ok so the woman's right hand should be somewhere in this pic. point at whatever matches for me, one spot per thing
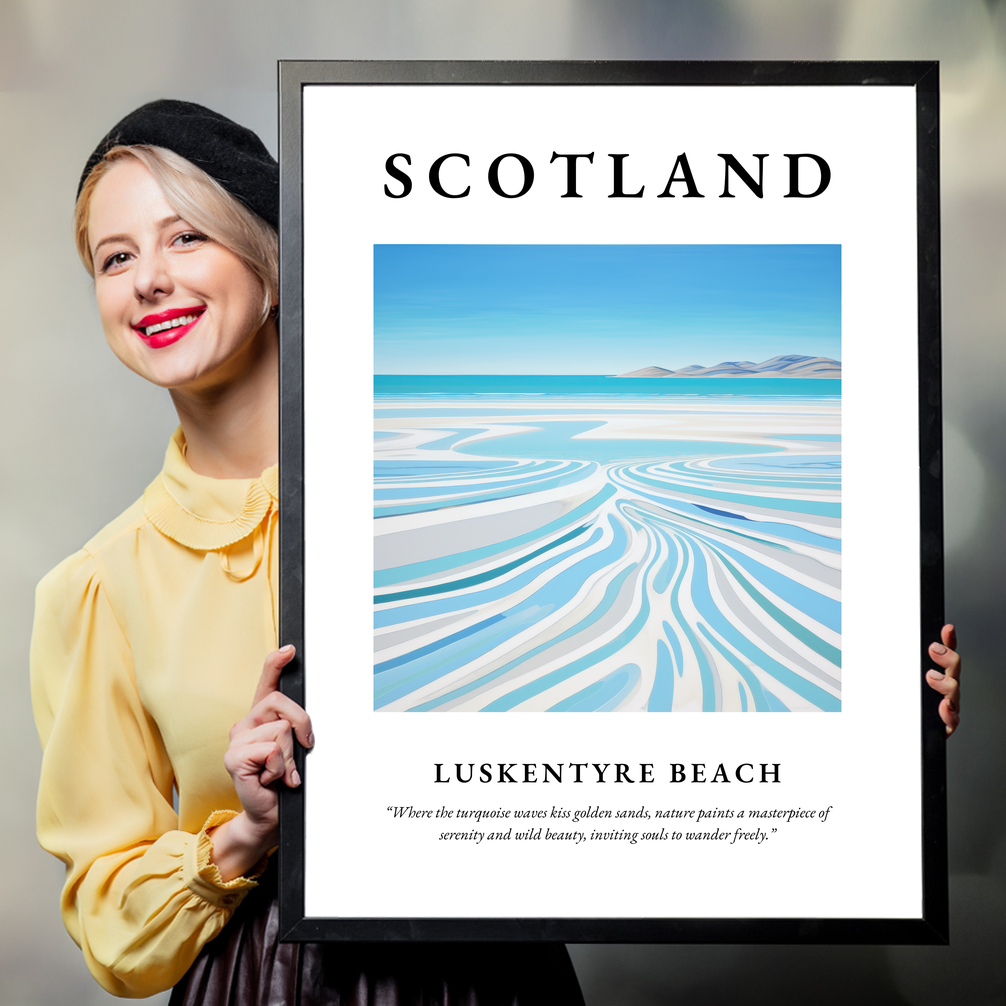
(259, 754)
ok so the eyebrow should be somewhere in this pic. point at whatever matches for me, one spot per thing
(111, 238)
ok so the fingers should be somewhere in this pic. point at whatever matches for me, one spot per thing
(947, 686)
(261, 750)
(262, 761)
(279, 764)
(265, 751)
(950, 716)
(945, 655)
(948, 660)
(271, 671)
(270, 703)
(949, 636)
(948, 709)
(947, 680)
(277, 706)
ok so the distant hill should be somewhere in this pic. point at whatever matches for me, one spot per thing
(778, 366)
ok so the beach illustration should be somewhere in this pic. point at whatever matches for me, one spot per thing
(607, 478)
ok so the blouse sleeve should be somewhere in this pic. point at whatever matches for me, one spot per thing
(141, 898)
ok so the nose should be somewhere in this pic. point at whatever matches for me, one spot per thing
(152, 277)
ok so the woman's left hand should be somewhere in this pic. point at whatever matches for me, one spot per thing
(948, 681)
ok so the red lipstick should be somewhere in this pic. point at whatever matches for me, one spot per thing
(165, 332)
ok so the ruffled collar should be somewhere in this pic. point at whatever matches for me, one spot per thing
(203, 513)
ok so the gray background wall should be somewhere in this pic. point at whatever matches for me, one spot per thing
(82, 436)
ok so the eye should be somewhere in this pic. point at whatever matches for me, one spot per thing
(115, 261)
(189, 239)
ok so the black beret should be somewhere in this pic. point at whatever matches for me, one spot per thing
(231, 154)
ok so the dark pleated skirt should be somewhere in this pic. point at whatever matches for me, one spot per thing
(246, 965)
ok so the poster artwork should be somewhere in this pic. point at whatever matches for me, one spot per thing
(595, 375)
(607, 477)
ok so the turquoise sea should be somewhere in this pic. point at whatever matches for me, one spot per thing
(587, 384)
(590, 543)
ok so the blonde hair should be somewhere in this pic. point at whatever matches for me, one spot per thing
(199, 200)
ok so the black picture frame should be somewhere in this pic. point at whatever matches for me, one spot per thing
(931, 927)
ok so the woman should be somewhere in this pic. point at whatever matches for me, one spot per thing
(149, 642)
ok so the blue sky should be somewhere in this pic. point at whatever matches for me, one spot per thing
(600, 309)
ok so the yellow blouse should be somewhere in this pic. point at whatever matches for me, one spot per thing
(147, 647)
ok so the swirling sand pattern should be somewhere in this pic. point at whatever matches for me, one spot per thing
(699, 574)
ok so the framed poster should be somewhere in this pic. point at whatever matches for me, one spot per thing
(611, 419)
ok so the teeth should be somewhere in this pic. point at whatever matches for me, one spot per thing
(174, 323)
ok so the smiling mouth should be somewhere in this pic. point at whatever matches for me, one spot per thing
(177, 321)
(167, 327)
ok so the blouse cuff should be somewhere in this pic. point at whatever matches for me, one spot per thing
(202, 876)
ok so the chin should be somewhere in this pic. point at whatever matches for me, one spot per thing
(193, 379)
(196, 365)
(174, 374)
